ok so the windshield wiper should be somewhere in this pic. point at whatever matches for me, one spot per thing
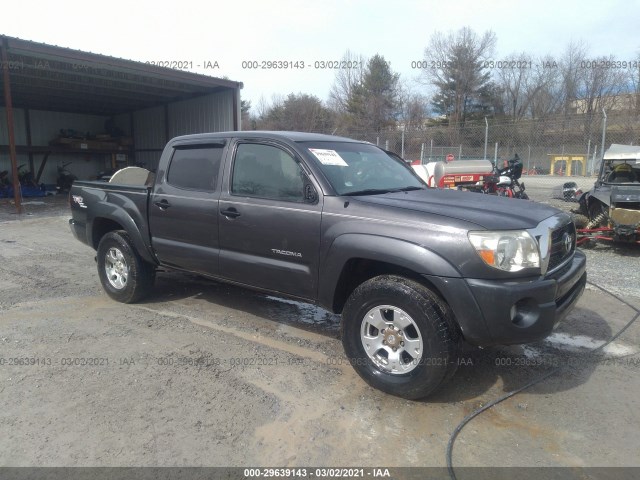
(368, 191)
(375, 191)
(406, 189)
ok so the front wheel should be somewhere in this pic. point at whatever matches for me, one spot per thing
(124, 275)
(399, 336)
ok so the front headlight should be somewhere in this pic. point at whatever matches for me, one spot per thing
(511, 251)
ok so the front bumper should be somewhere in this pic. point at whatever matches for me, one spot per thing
(491, 312)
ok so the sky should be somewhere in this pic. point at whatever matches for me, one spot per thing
(199, 34)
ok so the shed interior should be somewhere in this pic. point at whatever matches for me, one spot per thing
(94, 113)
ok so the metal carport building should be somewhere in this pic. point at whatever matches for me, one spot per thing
(47, 89)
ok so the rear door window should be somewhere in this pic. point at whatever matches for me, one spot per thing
(195, 167)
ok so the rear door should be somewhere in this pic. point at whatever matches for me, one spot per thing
(183, 209)
(270, 215)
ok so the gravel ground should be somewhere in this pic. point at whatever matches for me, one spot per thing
(207, 374)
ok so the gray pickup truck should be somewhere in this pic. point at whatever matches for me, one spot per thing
(413, 270)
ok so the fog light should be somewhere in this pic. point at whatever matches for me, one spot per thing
(524, 312)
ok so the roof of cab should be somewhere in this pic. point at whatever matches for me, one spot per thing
(279, 135)
(622, 152)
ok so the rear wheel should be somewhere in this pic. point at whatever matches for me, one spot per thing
(399, 336)
(124, 275)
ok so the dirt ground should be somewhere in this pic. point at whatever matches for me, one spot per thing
(205, 374)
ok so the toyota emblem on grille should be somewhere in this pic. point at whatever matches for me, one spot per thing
(567, 242)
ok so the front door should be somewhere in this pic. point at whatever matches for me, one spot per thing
(270, 221)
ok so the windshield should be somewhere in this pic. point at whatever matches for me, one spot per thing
(359, 168)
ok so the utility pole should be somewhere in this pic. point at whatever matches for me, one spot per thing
(486, 136)
(604, 130)
(17, 193)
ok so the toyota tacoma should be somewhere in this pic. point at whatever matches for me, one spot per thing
(414, 271)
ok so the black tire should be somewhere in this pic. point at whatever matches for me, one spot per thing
(139, 277)
(591, 243)
(429, 313)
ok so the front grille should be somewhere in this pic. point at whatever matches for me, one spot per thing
(559, 251)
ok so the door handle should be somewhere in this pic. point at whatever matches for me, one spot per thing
(162, 204)
(230, 213)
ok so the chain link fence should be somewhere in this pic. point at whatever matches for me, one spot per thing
(554, 150)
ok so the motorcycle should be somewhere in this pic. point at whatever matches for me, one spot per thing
(504, 181)
(25, 177)
(65, 178)
(28, 186)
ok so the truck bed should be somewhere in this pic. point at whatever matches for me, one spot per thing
(133, 201)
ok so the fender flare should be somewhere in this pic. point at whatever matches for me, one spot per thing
(393, 251)
(107, 211)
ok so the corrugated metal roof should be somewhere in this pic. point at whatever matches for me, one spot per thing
(48, 77)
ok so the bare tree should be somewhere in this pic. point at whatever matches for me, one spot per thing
(601, 87)
(544, 89)
(413, 107)
(590, 85)
(571, 69)
(518, 84)
(633, 80)
(346, 79)
(635, 76)
(531, 88)
(631, 112)
(262, 108)
(301, 112)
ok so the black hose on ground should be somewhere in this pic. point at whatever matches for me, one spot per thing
(553, 371)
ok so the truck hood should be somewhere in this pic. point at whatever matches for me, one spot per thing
(611, 195)
(487, 211)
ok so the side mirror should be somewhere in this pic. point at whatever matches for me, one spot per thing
(310, 193)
